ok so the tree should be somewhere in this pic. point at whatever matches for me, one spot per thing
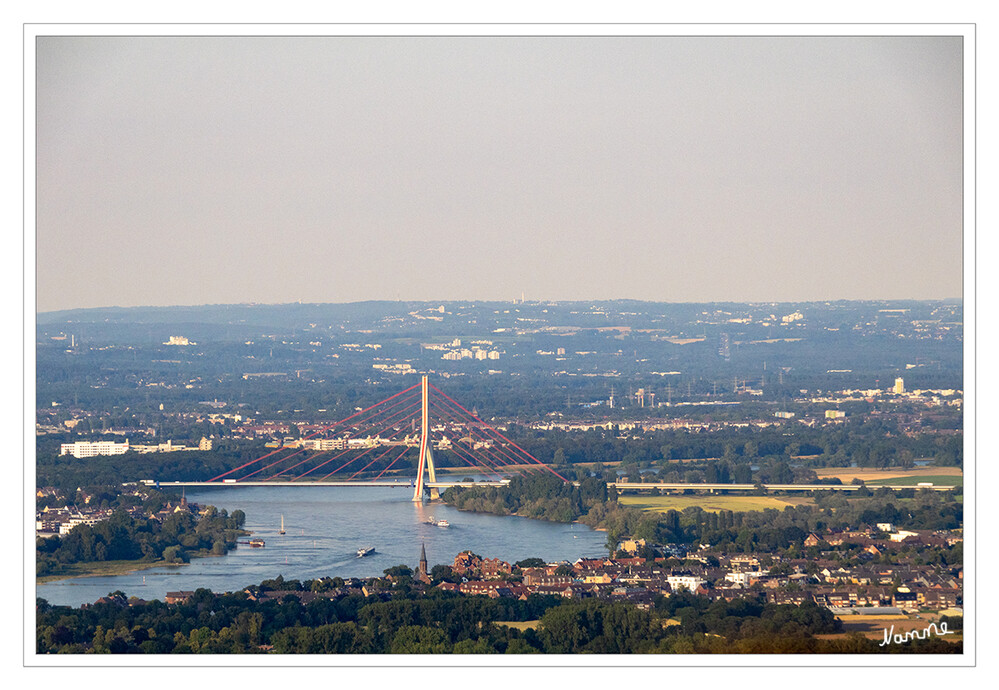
(418, 639)
(397, 571)
(530, 563)
(444, 573)
(174, 554)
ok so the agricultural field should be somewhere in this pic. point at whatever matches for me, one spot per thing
(935, 479)
(873, 627)
(710, 503)
(520, 625)
(869, 475)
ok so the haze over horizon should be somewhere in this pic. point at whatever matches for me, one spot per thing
(189, 171)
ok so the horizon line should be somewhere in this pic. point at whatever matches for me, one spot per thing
(505, 301)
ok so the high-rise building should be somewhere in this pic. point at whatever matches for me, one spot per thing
(723, 347)
(899, 386)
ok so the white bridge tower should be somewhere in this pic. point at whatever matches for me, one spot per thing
(426, 452)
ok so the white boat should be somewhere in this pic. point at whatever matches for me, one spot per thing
(443, 523)
(281, 531)
(366, 551)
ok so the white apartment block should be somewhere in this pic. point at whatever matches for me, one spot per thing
(688, 582)
(66, 527)
(745, 579)
(88, 449)
(325, 443)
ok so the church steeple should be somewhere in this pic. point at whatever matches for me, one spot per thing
(422, 573)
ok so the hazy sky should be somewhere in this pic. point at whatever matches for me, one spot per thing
(222, 170)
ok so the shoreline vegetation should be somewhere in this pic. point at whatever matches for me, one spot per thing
(112, 568)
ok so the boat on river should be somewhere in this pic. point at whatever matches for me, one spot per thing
(443, 523)
(257, 543)
(281, 531)
(365, 551)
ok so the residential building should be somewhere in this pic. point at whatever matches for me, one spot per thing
(684, 581)
(88, 449)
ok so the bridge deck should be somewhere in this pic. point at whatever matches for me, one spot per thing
(381, 485)
(679, 486)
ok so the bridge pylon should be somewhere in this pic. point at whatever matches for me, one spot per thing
(426, 452)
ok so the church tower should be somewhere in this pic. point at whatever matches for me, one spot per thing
(422, 573)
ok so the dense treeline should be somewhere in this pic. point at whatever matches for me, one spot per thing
(126, 538)
(438, 622)
(865, 442)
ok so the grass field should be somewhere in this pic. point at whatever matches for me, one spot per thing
(936, 479)
(712, 504)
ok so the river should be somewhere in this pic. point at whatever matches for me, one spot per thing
(324, 528)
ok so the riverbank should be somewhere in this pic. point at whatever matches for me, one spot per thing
(111, 568)
(100, 569)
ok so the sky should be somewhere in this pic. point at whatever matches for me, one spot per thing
(216, 170)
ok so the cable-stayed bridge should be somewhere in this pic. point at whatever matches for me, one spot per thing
(360, 449)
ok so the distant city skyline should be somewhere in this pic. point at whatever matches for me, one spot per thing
(216, 170)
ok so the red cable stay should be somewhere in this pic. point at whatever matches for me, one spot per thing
(387, 467)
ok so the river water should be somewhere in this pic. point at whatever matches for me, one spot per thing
(324, 528)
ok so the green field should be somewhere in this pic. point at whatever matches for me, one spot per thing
(709, 503)
(99, 569)
(520, 625)
(935, 479)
